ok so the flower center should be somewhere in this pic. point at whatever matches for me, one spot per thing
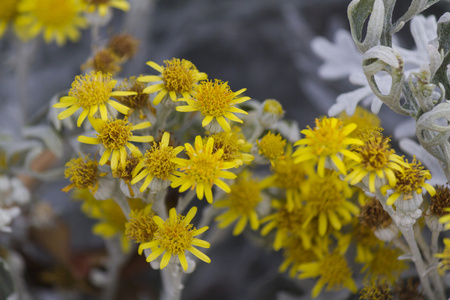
(138, 101)
(203, 167)
(83, 174)
(115, 134)
(213, 98)
(8, 10)
(179, 75)
(373, 215)
(289, 175)
(376, 150)
(327, 193)
(271, 145)
(290, 220)
(55, 12)
(412, 178)
(92, 89)
(176, 236)
(228, 142)
(141, 226)
(157, 161)
(244, 196)
(125, 171)
(335, 271)
(328, 137)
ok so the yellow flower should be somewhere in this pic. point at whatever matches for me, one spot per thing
(289, 176)
(141, 227)
(215, 100)
(83, 173)
(327, 141)
(327, 199)
(91, 93)
(241, 202)
(114, 135)
(364, 119)
(376, 160)
(8, 14)
(203, 169)
(179, 77)
(376, 290)
(233, 145)
(157, 163)
(174, 237)
(59, 20)
(333, 270)
(410, 181)
(103, 5)
(288, 223)
(385, 265)
(271, 146)
(295, 254)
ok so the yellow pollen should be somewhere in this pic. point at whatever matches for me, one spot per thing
(290, 220)
(179, 75)
(288, 174)
(228, 142)
(82, 172)
(244, 196)
(271, 145)
(327, 139)
(176, 236)
(335, 271)
(115, 134)
(157, 161)
(326, 193)
(203, 167)
(375, 153)
(55, 12)
(92, 89)
(213, 98)
(8, 9)
(125, 171)
(412, 178)
(375, 290)
(141, 226)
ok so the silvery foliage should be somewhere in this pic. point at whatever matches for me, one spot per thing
(410, 82)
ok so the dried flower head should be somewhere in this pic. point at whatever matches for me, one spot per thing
(125, 46)
(373, 215)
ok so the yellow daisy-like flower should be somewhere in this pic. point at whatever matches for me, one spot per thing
(233, 145)
(59, 20)
(364, 119)
(385, 265)
(241, 202)
(8, 14)
(83, 173)
(327, 141)
(102, 6)
(377, 160)
(203, 169)
(179, 77)
(295, 254)
(215, 100)
(289, 176)
(408, 182)
(287, 223)
(157, 163)
(327, 199)
(91, 93)
(271, 146)
(174, 237)
(114, 135)
(333, 270)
